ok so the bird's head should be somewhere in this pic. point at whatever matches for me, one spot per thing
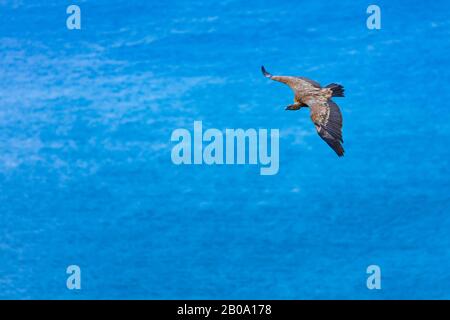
(293, 107)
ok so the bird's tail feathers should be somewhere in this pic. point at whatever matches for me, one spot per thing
(336, 89)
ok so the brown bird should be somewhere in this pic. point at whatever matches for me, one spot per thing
(324, 112)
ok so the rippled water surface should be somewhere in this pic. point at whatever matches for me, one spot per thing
(86, 176)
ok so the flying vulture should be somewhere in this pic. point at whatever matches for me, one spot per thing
(324, 112)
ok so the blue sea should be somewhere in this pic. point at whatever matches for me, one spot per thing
(86, 176)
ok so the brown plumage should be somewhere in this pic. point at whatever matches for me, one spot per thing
(324, 112)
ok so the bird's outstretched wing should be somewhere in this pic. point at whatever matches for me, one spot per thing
(328, 121)
(295, 83)
(311, 82)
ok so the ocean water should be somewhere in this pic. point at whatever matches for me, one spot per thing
(86, 176)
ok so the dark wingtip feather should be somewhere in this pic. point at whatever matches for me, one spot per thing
(334, 144)
(339, 150)
(265, 73)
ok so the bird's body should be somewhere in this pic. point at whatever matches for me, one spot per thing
(325, 114)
